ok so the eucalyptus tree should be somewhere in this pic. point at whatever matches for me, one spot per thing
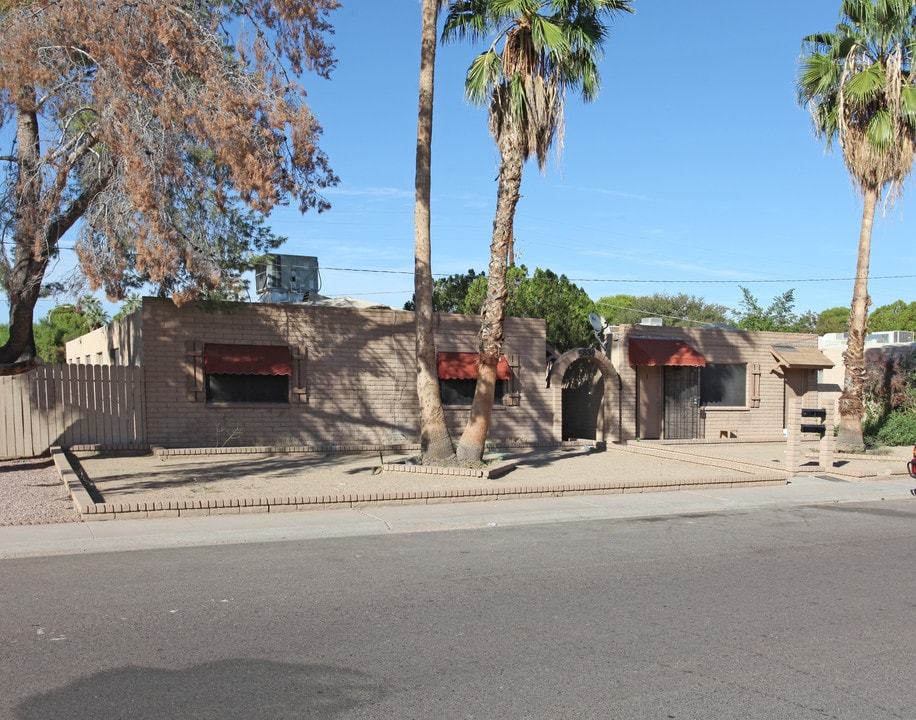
(132, 121)
(536, 51)
(858, 84)
(435, 440)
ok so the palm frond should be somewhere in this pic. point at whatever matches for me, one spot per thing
(858, 85)
(908, 104)
(482, 76)
(539, 50)
(863, 87)
(880, 130)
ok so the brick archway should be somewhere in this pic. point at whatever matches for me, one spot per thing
(597, 358)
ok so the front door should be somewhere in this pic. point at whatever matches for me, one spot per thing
(649, 419)
(682, 402)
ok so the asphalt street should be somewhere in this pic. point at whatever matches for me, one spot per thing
(793, 611)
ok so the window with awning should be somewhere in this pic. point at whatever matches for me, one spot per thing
(463, 366)
(224, 359)
(458, 372)
(655, 351)
(247, 373)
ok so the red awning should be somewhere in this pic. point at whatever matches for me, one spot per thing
(645, 351)
(222, 359)
(463, 366)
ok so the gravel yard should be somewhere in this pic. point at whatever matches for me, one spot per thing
(31, 493)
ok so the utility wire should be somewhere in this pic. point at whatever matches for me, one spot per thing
(617, 280)
(633, 281)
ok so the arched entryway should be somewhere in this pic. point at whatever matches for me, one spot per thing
(583, 381)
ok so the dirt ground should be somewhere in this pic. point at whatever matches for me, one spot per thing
(31, 492)
(150, 477)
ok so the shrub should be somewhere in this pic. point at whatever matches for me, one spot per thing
(896, 428)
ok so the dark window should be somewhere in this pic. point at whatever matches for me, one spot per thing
(248, 388)
(723, 385)
(461, 392)
(247, 373)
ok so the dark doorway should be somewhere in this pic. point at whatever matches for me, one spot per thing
(682, 402)
(583, 400)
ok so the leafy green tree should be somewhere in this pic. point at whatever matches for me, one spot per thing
(563, 305)
(619, 309)
(832, 320)
(150, 128)
(62, 323)
(450, 293)
(779, 316)
(858, 85)
(536, 50)
(896, 316)
(679, 310)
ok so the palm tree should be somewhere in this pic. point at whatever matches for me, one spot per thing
(858, 85)
(539, 50)
(435, 441)
(92, 311)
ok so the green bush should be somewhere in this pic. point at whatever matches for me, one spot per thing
(896, 428)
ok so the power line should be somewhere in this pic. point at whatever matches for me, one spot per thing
(635, 281)
(617, 280)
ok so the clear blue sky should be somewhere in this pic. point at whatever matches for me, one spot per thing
(694, 171)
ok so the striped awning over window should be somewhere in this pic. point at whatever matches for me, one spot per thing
(223, 359)
(463, 366)
(651, 351)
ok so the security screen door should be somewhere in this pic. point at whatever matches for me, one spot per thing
(682, 402)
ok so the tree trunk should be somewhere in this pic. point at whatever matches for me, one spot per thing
(852, 409)
(31, 254)
(471, 445)
(41, 221)
(435, 441)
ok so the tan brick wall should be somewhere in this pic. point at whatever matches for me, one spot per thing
(360, 375)
(763, 420)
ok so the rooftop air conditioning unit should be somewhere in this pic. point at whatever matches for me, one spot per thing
(286, 278)
(655, 321)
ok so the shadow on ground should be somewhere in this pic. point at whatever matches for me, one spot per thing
(226, 689)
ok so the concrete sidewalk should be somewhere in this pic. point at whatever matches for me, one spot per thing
(138, 534)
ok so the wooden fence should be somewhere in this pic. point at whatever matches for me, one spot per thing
(72, 405)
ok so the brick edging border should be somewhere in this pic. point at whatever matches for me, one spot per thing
(90, 510)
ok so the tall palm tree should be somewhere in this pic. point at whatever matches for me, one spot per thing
(435, 441)
(858, 83)
(539, 49)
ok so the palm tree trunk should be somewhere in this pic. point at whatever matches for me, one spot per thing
(435, 441)
(471, 445)
(852, 409)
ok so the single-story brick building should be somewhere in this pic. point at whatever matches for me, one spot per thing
(307, 374)
(677, 383)
(304, 374)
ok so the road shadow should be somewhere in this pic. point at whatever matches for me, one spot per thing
(226, 689)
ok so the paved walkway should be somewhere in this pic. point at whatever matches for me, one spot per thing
(709, 478)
